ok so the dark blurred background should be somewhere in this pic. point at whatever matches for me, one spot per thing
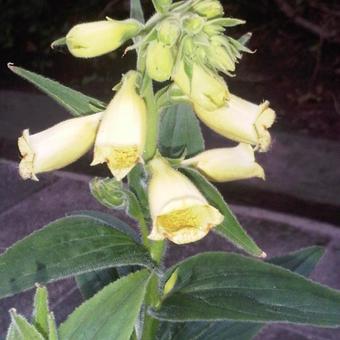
(297, 64)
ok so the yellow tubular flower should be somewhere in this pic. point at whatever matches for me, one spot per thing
(227, 164)
(58, 146)
(241, 121)
(205, 89)
(179, 211)
(94, 39)
(159, 61)
(121, 135)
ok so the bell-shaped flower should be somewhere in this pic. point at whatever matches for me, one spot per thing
(94, 39)
(58, 146)
(241, 121)
(179, 211)
(121, 135)
(204, 88)
(159, 61)
(227, 164)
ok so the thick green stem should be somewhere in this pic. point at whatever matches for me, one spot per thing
(152, 299)
(156, 248)
(152, 123)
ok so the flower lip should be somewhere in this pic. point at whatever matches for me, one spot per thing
(241, 121)
(179, 211)
(26, 168)
(58, 146)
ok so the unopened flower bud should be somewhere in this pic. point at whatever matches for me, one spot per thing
(58, 146)
(220, 59)
(209, 9)
(205, 88)
(121, 135)
(179, 211)
(193, 24)
(227, 164)
(159, 61)
(241, 121)
(169, 31)
(162, 6)
(97, 38)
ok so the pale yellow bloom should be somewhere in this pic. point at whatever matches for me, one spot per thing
(100, 37)
(227, 164)
(121, 135)
(205, 89)
(179, 211)
(57, 146)
(159, 61)
(241, 121)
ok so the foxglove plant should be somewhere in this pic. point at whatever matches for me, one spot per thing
(160, 175)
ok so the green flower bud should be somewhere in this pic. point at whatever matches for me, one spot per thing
(220, 59)
(169, 31)
(93, 39)
(209, 9)
(193, 24)
(159, 61)
(213, 29)
(162, 6)
(204, 88)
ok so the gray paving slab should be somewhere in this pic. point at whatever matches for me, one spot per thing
(22, 110)
(13, 190)
(302, 177)
(274, 332)
(298, 165)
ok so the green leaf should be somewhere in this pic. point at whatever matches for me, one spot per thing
(12, 333)
(110, 220)
(52, 328)
(40, 310)
(180, 131)
(116, 308)
(136, 11)
(162, 6)
(302, 262)
(25, 330)
(91, 283)
(208, 330)
(230, 228)
(73, 101)
(137, 184)
(225, 286)
(67, 247)
(227, 22)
